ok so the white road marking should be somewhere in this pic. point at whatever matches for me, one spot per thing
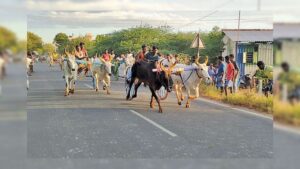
(238, 109)
(154, 124)
(213, 102)
(253, 113)
(89, 86)
(287, 128)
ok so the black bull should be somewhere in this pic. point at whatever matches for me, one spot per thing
(142, 72)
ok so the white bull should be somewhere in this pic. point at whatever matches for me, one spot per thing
(102, 71)
(190, 78)
(70, 73)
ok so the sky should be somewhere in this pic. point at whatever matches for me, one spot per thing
(49, 17)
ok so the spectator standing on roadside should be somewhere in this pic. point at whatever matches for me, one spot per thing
(230, 71)
(236, 73)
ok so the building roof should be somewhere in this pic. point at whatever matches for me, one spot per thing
(250, 35)
(286, 31)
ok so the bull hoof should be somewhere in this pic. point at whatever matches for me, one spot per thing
(160, 111)
(97, 90)
(108, 92)
(179, 103)
(151, 106)
(187, 106)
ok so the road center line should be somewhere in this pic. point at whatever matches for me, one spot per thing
(89, 86)
(154, 124)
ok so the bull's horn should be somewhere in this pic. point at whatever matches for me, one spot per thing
(197, 60)
(67, 53)
(206, 60)
(162, 66)
(172, 66)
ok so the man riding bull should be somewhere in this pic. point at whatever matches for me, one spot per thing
(141, 55)
(82, 58)
(152, 56)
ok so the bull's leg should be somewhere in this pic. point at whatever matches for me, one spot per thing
(72, 86)
(188, 99)
(136, 89)
(130, 85)
(67, 87)
(97, 82)
(106, 81)
(157, 100)
(151, 102)
(181, 94)
(177, 94)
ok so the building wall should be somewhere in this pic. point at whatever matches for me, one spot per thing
(265, 53)
(291, 53)
(261, 51)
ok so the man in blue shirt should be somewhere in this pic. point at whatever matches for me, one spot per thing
(221, 73)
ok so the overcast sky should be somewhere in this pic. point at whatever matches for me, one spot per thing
(48, 17)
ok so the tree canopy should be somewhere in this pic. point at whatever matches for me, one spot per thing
(34, 43)
(61, 40)
(7, 39)
(132, 39)
(168, 42)
(48, 48)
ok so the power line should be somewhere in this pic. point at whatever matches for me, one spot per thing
(215, 11)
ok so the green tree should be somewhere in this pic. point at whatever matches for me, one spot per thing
(20, 47)
(213, 43)
(34, 42)
(61, 40)
(48, 48)
(7, 39)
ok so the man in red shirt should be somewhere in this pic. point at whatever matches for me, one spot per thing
(230, 71)
(141, 55)
(106, 56)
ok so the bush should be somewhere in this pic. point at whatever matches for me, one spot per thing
(286, 112)
(244, 98)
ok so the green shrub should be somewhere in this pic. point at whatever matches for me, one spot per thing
(244, 98)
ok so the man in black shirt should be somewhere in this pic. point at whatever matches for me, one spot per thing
(153, 55)
(236, 72)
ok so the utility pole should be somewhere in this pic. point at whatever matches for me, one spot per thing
(239, 22)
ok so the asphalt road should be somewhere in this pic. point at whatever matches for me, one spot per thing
(95, 130)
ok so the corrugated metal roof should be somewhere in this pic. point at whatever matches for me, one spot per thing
(286, 30)
(250, 35)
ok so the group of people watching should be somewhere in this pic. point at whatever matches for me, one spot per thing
(226, 74)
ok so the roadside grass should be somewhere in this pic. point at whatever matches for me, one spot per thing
(245, 98)
(286, 112)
